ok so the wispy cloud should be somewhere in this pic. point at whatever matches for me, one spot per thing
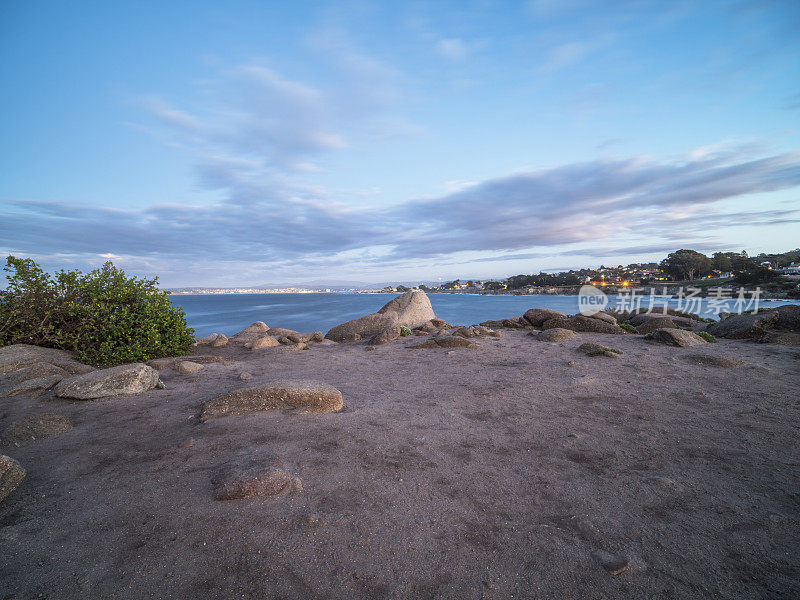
(283, 229)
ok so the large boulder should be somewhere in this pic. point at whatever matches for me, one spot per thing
(250, 333)
(11, 475)
(134, 378)
(314, 397)
(411, 309)
(782, 338)
(537, 316)
(35, 371)
(678, 337)
(35, 386)
(385, 336)
(745, 326)
(788, 317)
(650, 325)
(582, 324)
(19, 356)
(677, 320)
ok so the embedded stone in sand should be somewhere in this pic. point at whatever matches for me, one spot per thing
(314, 397)
(249, 476)
(11, 475)
(613, 563)
(187, 367)
(448, 341)
(557, 334)
(36, 427)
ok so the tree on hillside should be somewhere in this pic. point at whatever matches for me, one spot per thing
(686, 264)
(721, 261)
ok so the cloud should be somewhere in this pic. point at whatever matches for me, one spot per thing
(452, 48)
(286, 229)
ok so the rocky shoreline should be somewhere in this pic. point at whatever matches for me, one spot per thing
(401, 456)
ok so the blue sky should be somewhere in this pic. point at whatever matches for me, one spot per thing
(242, 143)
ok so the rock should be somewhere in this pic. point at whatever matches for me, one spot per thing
(557, 334)
(205, 341)
(613, 563)
(250, 333)
(592, 349)
(650, 325)
(782, 338)
(31, 386)
(492, 323)
(581, 323)
(162, 364)
(220, 340)
(537, 316)
(439, 323)
(265, 342)
(678, 337)
(11, 475)
(447, 341)
(327, 342)
(348, 337)
(370, 349)
(518, 323)
(126, 379)
(281, 332)
(245, 376)
(187, 367)
(679, 321)
(465, 332)
(385, 336)
(745, 326)
(204, 360)
(428, 327)
(715, 361)
(36, 371)
(303, 338)
(36, 427)
(19, 356)
(249, 476)
(788, 317)
(411, 309)
(314, 397)
(296, 347)
(605, 317)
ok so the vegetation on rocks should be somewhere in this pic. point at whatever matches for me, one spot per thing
(628, 327)
(706, 336)
(105, 317)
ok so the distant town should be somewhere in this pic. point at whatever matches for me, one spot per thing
(779, 272)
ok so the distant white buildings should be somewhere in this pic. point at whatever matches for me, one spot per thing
(792, 269)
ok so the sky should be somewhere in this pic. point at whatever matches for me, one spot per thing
(245, 143)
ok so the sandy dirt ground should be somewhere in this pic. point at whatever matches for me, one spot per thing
(468, 474)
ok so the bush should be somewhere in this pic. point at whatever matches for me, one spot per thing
(707, 336)
(103, 316)
(405, 331)
(628, 327)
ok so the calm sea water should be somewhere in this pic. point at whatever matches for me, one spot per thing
(230, 313)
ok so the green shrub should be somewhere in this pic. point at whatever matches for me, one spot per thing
(103, 316)
(648, 336)
(707, 336)
(405, 331)
(628, 327)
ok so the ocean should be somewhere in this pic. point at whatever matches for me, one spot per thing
(229, 313)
